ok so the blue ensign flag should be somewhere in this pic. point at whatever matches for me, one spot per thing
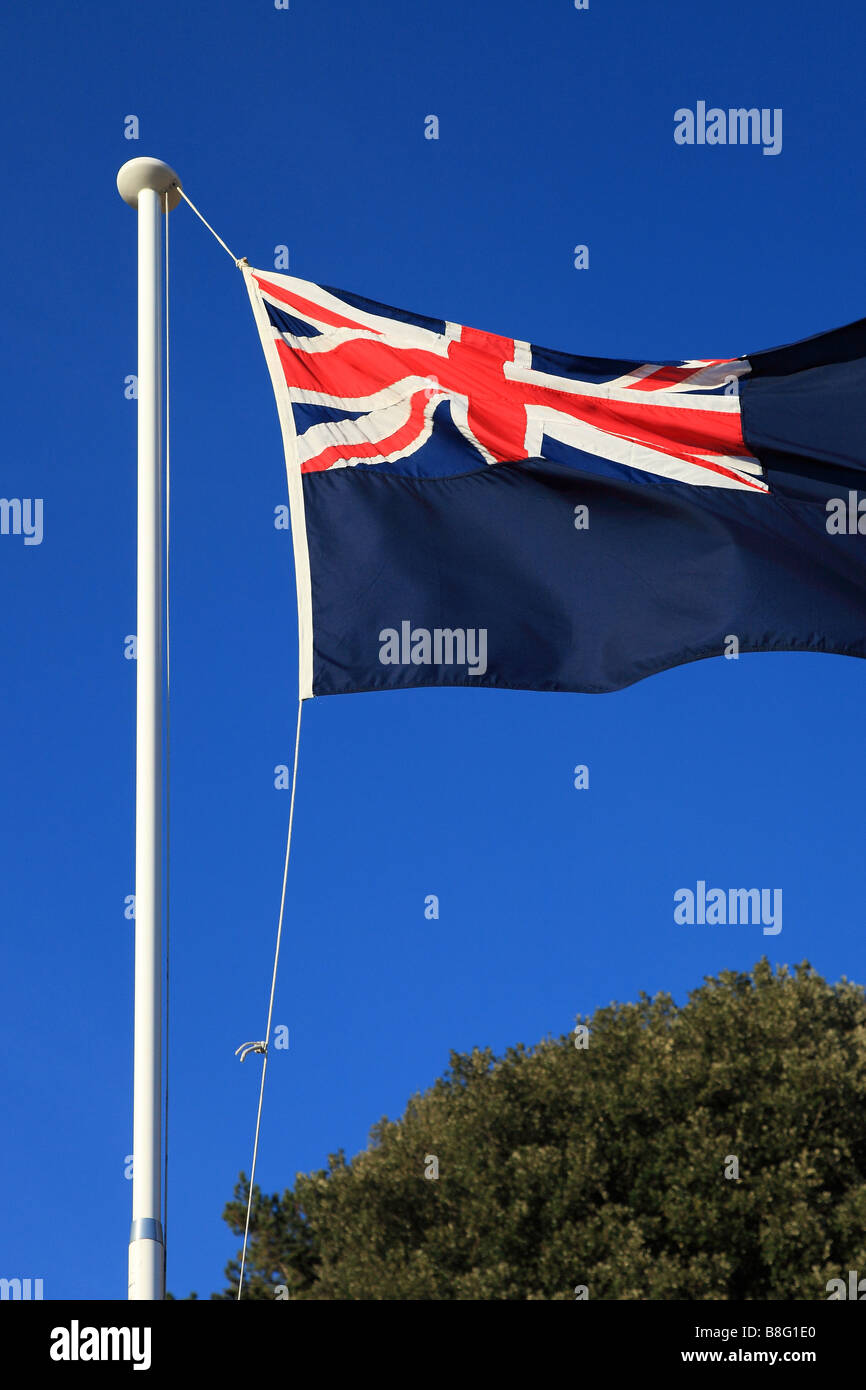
(469, 509)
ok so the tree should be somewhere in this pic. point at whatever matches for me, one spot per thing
(711, 1151)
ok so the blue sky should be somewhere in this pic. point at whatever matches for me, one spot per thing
(306, 128)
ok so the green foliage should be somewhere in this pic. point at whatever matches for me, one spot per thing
(604, 1166)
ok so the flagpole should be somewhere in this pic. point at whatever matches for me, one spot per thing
(143, 183)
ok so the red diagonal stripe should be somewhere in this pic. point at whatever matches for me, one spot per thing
(307, 308)
(673, 375)
(379, 448)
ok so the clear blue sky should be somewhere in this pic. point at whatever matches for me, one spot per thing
(306, 128)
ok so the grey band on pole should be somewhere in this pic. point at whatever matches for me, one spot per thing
(146, 1228)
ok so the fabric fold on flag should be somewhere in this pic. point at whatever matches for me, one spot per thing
(470, 509)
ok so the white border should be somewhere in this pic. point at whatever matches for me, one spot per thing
(296, 491)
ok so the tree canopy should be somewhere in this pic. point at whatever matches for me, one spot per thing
(714, 1150)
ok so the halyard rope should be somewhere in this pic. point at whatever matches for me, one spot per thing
(262, 1047)
(271, 1001)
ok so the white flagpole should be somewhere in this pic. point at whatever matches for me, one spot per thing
(143, 183)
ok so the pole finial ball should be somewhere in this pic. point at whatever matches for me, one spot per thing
(146, 172)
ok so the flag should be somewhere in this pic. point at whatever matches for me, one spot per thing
(471, 509)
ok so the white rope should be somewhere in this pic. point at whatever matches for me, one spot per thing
(271, 1001)
(239, 261)
(242, 261)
